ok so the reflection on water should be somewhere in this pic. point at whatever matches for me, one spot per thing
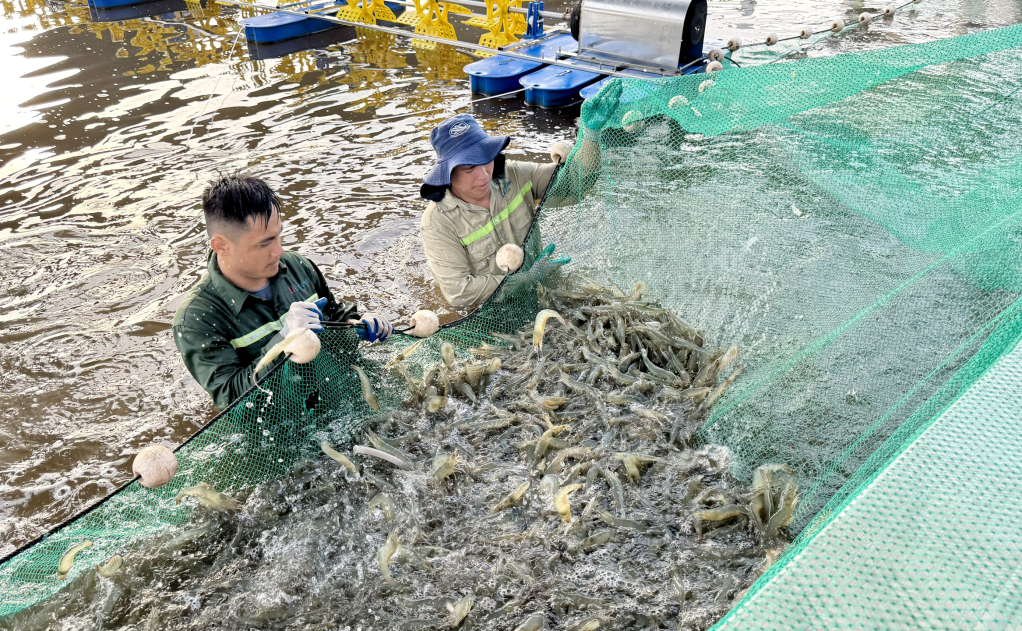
(40, 15)
(109, 127)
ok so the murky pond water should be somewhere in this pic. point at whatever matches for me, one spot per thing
(108, 133)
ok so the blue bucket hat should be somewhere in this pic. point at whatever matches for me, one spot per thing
(460, 140)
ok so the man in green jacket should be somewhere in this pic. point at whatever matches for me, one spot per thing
(253, 292)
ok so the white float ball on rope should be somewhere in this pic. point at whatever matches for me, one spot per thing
(805, 33)
(714, 66)
(888, 11)
(678, 102)
(717, 54)
(771, 39)
(632, 121)
(156, 465)
(864, 17)
(734, 44)
(424, 323)
(510, 257)
(837, 25)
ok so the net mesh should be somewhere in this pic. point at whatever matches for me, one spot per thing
(852, 223)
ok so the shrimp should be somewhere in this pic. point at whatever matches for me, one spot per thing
(493, 366)
(720, 514)
(209, 497)
(383, 445)
(639, 291)
(513, 498)
(615, 486)
(447, 353)
(657, 371)
(367, 388)
(405, 354)
(631, 464)
(384, 554)
(597, 539)
(443, 465)
(561, 501)
(535, 622)
(435, 403)
(382, 455)
(385, 503)
(474, 373)
(571, 452)
(112, 566)
(540, 326)
(339, 457)
(68, 558)
(729, 356)
(551, 402)
(459, 610)
(719, 390)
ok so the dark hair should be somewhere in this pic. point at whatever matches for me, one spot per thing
(437, 193)
(230, 200)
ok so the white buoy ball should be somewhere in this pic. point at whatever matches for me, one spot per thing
(678, 102)
(304, 348)
(734, 44)
(510, 257)
(632, 122)
(805, 33)
(424, 323)
(888, 11)
(772, 39)
(717, 54)
(156, 465)
(714, 66)
(864, 17)
(837, 25)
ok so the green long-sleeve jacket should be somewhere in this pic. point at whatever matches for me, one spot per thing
(222, 331)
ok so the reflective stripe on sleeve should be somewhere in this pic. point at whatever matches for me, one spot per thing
(488, 228)
(267, 329)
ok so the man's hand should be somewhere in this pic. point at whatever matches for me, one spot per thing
(377, 328)
(304, 315)
(559, 152)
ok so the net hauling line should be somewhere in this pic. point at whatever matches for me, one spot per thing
(837, 25)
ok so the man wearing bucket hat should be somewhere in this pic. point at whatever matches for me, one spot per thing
(480, 202)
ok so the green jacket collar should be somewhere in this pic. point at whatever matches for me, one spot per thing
(232, 295)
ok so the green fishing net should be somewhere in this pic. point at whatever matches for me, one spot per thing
(853, 224)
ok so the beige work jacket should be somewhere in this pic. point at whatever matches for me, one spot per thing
(461, 239)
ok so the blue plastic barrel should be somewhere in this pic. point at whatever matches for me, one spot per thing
(500, 74)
